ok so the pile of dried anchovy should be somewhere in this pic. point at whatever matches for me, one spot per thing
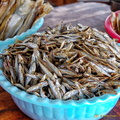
(65, 62)
(115, 22)
(17, 16)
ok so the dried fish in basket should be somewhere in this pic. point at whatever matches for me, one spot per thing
(17, 16)
(115, 22)
(65, 62)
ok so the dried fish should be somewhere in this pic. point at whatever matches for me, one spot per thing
(21, 74)
(46, 71)
(37, 86)
(54, 89)
(35, 75)
(65, 62)
(115, 22)
(70, 94)
(17, 16)
(31, 70)
(53, 67)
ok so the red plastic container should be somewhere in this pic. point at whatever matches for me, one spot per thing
(109, 28)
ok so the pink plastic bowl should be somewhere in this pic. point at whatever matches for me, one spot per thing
(109, 28)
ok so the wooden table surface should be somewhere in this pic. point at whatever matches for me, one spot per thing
(91, 14)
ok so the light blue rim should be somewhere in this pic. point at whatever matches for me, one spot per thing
(23, 35)
(14, 91)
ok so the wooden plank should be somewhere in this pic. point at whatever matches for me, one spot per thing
(56, 2)
(70, 1)
(8, 109)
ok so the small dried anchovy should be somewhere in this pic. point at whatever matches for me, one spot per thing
(115, 22)
(66, 62)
